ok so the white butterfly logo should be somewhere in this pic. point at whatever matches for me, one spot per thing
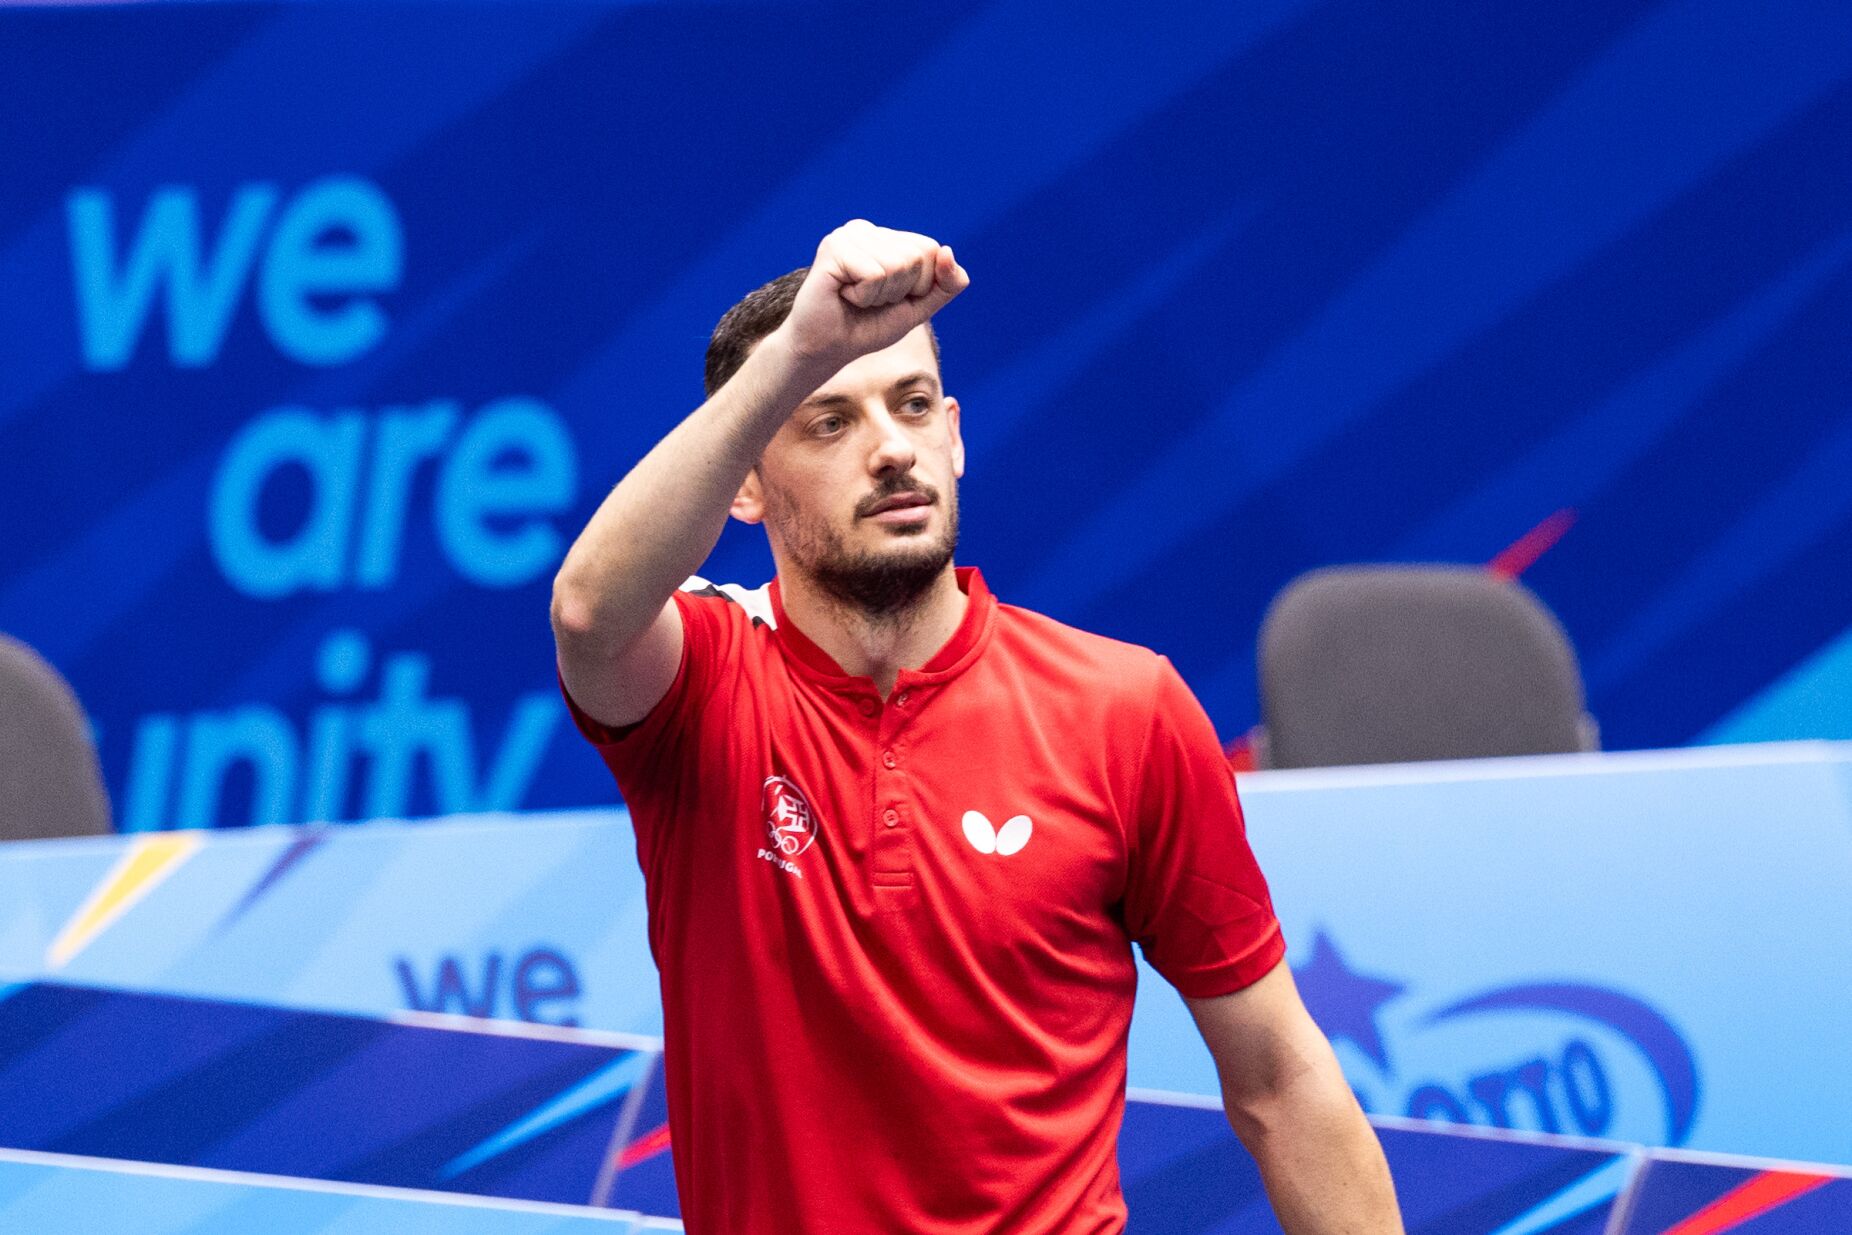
(1008, 839)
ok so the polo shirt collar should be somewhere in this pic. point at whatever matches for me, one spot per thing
(957, 653)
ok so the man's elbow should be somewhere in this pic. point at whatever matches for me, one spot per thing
(1259, 1112)
(575, 617)
(1284, 1097)
(587, 618)
(594, 630)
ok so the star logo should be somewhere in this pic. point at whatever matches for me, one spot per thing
(1345, 1003)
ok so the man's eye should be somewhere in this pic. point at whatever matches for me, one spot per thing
(823, 426)
(919, 405)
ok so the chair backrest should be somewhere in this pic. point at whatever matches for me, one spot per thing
(49, 781)
(1393, 664)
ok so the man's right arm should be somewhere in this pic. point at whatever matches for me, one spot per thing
(618, 634)
(617, 631)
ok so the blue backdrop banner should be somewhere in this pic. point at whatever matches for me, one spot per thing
(323, 327)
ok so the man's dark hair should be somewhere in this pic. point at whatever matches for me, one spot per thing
(761, 312)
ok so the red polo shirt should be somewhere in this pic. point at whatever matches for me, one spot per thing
(895, 935)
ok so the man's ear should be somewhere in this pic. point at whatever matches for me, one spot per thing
(749, 503)
(958, 438)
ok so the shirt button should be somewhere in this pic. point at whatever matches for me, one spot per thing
(902, 697)
(889, 759)
(891, 817)
(870, 707)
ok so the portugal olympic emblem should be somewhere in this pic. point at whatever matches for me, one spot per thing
(789, 820)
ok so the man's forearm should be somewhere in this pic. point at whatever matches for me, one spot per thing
(1320, 1159)
(662, 520)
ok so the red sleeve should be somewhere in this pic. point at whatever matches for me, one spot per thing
(652, 742)
(1196, 901)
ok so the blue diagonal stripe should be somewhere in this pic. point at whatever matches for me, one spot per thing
(606, 1085)
(1595, 1188)
(1506, 231)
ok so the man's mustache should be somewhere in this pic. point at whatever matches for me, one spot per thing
(902, 485)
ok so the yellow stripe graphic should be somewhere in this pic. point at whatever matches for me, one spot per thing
(141, 869)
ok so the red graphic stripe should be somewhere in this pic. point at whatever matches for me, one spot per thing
(1769, 1190)
(1525, 551)
(645, 1147)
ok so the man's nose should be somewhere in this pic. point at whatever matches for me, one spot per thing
(893, 449)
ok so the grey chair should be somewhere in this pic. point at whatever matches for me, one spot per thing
(1394, 664)
(49, 781)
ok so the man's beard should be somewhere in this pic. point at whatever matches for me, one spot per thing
(878, 586)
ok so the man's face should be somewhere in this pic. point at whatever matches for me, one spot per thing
(859, 490)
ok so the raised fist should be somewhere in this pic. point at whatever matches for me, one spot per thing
(867, 288)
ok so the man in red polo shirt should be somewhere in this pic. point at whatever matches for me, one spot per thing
(898, 838)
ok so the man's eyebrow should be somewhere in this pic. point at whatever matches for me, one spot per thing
(922, 378)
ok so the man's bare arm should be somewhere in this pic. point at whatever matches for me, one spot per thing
(1290, 1105)
(618, 636)
(619, 639)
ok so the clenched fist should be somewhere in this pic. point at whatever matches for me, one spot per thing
(867, 288)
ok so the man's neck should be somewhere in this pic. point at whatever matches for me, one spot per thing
(877, 647)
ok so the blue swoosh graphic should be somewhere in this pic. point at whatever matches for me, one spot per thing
(1645, 1026)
